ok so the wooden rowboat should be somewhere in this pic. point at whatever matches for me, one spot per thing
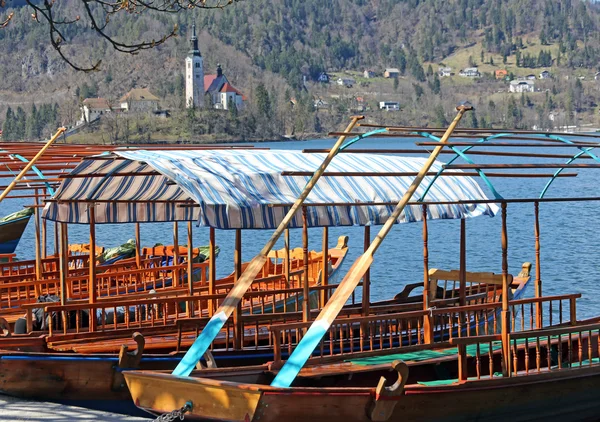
(12, 228)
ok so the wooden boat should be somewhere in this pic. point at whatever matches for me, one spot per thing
(11, 229)
(516, 368)
(540, 388)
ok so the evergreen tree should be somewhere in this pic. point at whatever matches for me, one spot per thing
(440, 117)
(429, 71)
(31, 124)
(19, 130)
(263, 103)
(8, 127)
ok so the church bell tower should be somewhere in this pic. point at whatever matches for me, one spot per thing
(194, 74)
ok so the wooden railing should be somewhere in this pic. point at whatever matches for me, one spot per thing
(358, 335)
(136, 312)
(117, 281)
(530, 352)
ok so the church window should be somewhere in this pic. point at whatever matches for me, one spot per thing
(197, 65)
(189, 65)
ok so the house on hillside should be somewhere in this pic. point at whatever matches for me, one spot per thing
(93, 108)
(323, 78)
(531, 77)
(221, 92)
(139, 100)
(470, 72)
(501, 73)
(391, 72)
(389, 105)
(520, 85)
(368, 74)
(545, 75)
(445, 71)
(347, 82)
(597, 76)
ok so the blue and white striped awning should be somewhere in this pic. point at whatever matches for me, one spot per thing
(237, 188)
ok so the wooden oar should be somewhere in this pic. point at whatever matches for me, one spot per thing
(235, 295)
(31, 163)
(317, 330)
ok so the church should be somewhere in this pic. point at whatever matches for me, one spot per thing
(201, 88)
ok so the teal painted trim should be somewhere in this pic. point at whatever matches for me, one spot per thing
(200, 346)
(359, 137)
(466, 158)
(35, 169)
(301, 354)
(583, 151)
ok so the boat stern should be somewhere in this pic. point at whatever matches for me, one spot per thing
(213, 400)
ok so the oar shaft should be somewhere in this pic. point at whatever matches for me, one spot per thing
(235, 295)
(31, 163)
(414, 185)
(319, 328)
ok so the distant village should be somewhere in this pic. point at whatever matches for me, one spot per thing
(201, 91)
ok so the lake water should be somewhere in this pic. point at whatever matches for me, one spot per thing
(569, 235)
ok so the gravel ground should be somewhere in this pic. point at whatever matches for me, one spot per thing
(12, 409)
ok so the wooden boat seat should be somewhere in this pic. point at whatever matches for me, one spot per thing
(84, 249)
(168, 250)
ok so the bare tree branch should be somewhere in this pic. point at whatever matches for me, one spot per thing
(97, 16)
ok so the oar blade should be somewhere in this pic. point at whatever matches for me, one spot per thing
(210, 332)
(318, 329)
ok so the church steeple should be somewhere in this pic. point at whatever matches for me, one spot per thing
(195, 51)
(194, 74)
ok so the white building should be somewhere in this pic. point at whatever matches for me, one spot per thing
(194, 74)
(221, 92)
(470, 72)
(93, 108)
(139, 100)
(520, 85)
(445, 71)
(389, 105)
(347, 82)
(545, 75)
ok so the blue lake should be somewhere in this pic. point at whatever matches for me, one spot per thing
(570, 243)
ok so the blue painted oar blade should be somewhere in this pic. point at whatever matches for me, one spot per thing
(201, 345)
(301, 354)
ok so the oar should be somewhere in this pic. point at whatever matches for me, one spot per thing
(317, 330)
(31, 163)
(202, 343)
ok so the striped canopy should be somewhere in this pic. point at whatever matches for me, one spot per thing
(232, 189)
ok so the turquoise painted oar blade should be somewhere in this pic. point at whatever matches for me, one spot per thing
(201, 345)
(301, 354)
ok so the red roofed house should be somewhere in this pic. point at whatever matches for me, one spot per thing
(93, 108)
(221, 92)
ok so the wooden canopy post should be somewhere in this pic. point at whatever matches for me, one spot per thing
(56, 238)
(63, 262)
(38, 242)
(305, 281)
(138, 260)
(462, 292)
(427, 295)
(44, 233)
(506, 361)
(366, 288)
(286, 264)
(38, 251)
(176, 272)
(212, 269)
(538, 271)
(190, 268)
(237, 272)
(325, 270)
(92, 280)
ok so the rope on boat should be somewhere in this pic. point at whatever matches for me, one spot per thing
(175, 414)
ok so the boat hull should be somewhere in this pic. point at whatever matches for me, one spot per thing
(570, 395)
(10, 234)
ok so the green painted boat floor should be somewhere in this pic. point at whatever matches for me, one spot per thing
(452, 381)
(422, 355)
